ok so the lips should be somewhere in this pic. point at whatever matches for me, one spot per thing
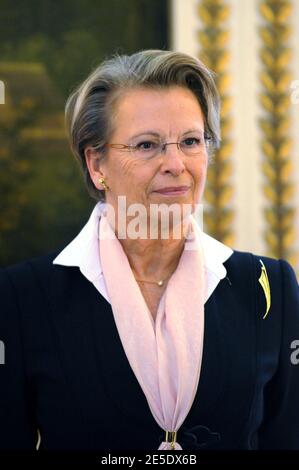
(173, 190)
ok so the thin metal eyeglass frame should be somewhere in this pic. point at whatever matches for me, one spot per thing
(161, 148)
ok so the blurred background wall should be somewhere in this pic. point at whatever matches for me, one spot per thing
(47, 48)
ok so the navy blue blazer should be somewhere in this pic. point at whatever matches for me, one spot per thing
(66, 373)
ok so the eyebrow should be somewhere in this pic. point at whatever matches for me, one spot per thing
(156, 134)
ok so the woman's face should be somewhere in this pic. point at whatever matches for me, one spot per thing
(144, 116)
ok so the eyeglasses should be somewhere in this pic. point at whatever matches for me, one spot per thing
(147, 149)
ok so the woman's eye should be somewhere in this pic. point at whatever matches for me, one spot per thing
(191, 142)
(146, 145)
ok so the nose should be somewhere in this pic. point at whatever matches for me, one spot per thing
(172, 159)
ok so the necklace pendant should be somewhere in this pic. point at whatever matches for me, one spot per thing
(160, 283)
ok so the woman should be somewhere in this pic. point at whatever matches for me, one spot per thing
(125, 340)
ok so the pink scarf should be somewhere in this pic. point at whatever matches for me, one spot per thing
(164, 355)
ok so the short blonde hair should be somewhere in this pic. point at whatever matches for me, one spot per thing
(90, 108)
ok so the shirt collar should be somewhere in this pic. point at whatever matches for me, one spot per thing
(81, 251)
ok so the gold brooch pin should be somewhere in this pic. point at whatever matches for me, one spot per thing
(264, 282)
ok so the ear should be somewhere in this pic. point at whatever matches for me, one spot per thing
(94, 164)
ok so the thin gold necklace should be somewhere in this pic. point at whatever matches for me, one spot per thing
(158, 283)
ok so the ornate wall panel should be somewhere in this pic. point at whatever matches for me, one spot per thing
(213, 37)
(276, 144)
(252, 195)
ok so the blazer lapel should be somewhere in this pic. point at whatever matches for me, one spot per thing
(113, 366)
(92, 353)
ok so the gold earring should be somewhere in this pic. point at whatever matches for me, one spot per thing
(103, 182)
